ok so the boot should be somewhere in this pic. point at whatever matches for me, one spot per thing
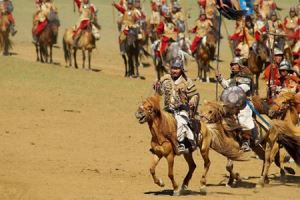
(178, 148)
(246, 146)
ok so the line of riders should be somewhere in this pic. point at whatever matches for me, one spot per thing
(179, 91)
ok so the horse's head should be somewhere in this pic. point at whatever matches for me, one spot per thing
(149, 109)
(281, 104)
(95, 32)
(211, 112)
(263, 52)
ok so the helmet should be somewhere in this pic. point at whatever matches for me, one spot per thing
(177, 62)
(235, 60)
(129, 1)
(284, 65)
(202, 12)
(278, 51)
(234, 97)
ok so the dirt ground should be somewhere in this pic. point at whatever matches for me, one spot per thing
(69, 134)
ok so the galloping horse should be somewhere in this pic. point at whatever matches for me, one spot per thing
(161, 124)
(212, 115)
(206, 53)
(5, 42)
(47, 39)
(257, 61)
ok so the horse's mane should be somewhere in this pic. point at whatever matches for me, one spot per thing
(217, 111)
(260, 105)
(284, 97)
(166, 119)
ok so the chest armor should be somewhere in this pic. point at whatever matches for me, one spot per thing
(202, 28)
(169, 31)
(86, 12)
(128, 18)
(291, 22)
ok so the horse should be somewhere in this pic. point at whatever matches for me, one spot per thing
(161, 124)
(258, 58)
(132, 49)
(204, 54)
(47, 39)
(5, 43)
(212, 117)
(86, 42)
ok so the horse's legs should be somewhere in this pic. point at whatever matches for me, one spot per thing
(199, 70)
(192, 166)
(37, 53)
(206, 72)
(41, 53)
(232, 175)
(46, 54)
(257, 83)
(270, 152)
(137, 64)
(130, 64)
(6, 45)
(70, 55)
(170, 159)
(51, 60)
(155, 162)
(83, 58)
(205, 155)
(89, 58)
(75, 59)
(126, 65)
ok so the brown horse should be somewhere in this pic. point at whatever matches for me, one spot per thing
(257, 61)
(161, 124)
(5, 43)
(47, 39)
(204, 55)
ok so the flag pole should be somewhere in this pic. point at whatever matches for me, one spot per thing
(218, 55)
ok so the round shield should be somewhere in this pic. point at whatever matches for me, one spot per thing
(234, 97)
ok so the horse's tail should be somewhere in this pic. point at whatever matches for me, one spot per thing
(66, 51)
(289, 137)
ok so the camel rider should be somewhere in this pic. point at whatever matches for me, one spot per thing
(41, 18)
(271, 73)
(201, 28)
(6, 8)
(88, 17)
(129, 20)
(180, 96)
(179, 19)
(275, 27)
(168, 31)
(288, 81)
(292, 21)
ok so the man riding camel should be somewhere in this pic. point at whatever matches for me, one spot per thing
(130, 17)
(45, 7)
(180, 97)
(6, 8)
(168, 32)
(241, 77)
(201, 28)
(87, 18)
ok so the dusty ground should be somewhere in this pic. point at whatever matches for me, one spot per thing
(71, 134)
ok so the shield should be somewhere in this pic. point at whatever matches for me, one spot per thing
(234, 97)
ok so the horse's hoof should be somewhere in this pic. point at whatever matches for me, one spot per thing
(203, 190)
(176, 192)
(161, 183)
(207, 80)
(260, 184)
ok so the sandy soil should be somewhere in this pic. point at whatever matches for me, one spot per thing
(71, 134)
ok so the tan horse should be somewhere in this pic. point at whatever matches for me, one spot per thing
(161, 124)
(5, 43)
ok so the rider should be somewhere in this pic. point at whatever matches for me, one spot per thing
(288, 81)
(41, 18)
(292, 21)
(180, 97)
(266, 7)
(275, 27)
(129, 20)
(6, 8)
(88, 15)
(179, 19)
(242, 78)
(202, 27)
(272, 74)
(168, 31)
